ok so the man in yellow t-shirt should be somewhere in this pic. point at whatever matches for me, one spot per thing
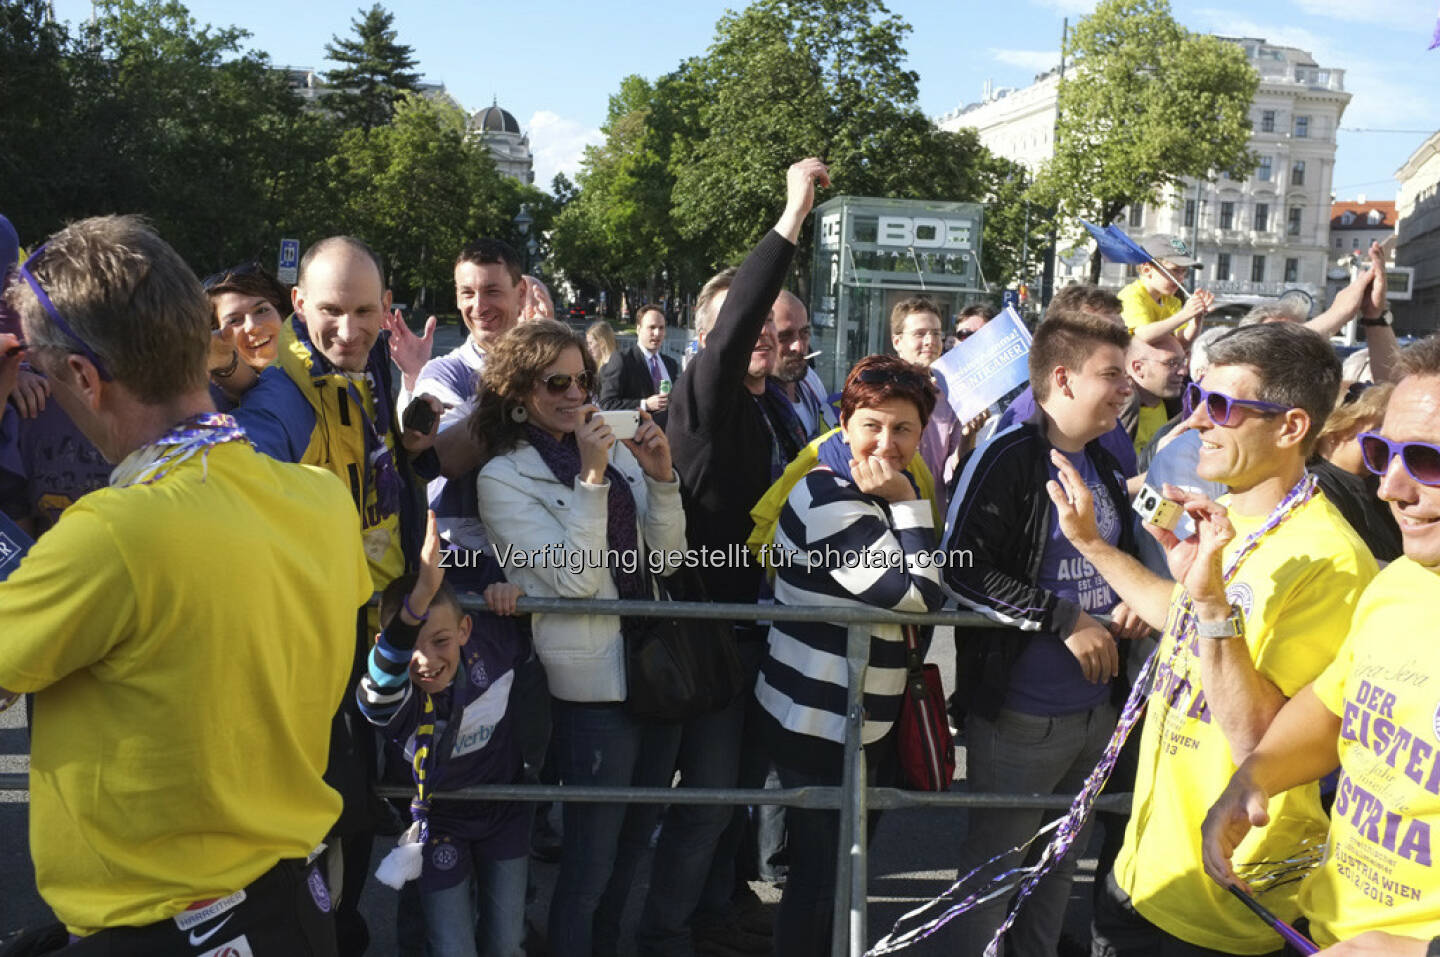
(1149, 305)
(183, 703)
(1263, 601)
(1376, 713)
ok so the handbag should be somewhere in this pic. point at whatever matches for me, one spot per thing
(927, 749)
(677, 669)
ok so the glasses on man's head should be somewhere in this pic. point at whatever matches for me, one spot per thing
(908, 380)
(218, 278)
(559, 383)
(1420, 459)
(1355, 391)
(100, 368)
(1220, 407)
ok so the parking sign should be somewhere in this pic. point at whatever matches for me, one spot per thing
(289, 267)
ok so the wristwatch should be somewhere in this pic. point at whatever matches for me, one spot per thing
(1231, 627)
(1385, 318)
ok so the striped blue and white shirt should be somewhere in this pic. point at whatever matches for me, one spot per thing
(837, 547)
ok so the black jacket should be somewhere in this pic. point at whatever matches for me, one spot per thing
(1001, 515)
(719, 438)
(625, 380)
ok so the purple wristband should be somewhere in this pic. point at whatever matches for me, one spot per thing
(405, 603)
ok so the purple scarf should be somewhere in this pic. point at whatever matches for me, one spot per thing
(563, 458)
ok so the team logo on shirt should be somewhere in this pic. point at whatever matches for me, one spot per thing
(1106, 520)
(1243, 595)
(478, 676)
(444, 857)
(319, 892)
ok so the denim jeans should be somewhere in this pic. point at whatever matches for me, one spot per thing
(807, 904)
(709, 757)
(490, 906)
(1025, 753)
(602, 745)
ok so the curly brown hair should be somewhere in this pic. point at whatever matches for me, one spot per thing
(512, 368)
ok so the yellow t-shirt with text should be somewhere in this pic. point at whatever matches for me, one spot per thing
(188, 642)
(1297, 590)
(1379, 871)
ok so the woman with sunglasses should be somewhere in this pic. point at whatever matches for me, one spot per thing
(851, 535)
(1338, 464)
(249, 308)
(572, 513)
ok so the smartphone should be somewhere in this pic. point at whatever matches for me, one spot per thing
(419, 416)
(622, 422)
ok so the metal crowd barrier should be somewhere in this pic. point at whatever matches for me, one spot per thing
(850, 798)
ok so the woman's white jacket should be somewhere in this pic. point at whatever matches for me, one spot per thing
(550, 540)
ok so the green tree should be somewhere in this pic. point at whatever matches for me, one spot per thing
(1144, 104)
(791, 78)
(36, 106)
(418, 188)
(374, 71)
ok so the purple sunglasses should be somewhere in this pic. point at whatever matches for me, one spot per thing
(1220, 406)
(58, 319)
(1421, 459)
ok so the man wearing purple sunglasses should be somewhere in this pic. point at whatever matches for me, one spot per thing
(1375, 712)
(1259, 606)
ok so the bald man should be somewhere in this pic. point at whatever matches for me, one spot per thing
(802, 386)
(328, 400)
(1157, 371)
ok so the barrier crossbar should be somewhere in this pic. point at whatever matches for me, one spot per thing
(850, 798)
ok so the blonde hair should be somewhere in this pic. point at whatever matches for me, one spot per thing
(1366, 411)
(129, 297)
(601, 330)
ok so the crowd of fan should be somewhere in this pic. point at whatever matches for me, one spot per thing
(217, 492)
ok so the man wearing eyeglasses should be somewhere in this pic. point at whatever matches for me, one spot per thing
(1260, 603)
(1157, 370)
(1375, 712)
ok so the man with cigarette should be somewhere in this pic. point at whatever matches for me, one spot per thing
(792, 369)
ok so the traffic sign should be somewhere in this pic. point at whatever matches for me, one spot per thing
(289, 268)
(1010, 298)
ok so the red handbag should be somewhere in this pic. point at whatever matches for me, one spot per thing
(927, 750)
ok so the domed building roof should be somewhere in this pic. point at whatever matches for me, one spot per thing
(493, 119)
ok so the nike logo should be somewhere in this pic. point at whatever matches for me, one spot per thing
(197, 939)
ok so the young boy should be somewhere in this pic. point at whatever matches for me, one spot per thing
(441, 695)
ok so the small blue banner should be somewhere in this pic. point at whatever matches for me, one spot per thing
(979, 371)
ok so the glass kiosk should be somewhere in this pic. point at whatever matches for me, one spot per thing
(872, 253)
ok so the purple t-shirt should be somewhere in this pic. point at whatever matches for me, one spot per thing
(1047, 678)
(46, 464)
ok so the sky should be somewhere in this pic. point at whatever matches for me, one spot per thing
(555, 64)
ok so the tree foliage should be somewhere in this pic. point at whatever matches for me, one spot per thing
(1144, 104)
(691, 172)
(375, 71)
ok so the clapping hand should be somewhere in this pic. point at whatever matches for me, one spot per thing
(409, 351)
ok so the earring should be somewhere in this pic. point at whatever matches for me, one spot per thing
(518, 415)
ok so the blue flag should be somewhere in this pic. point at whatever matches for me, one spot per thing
(1116, 246)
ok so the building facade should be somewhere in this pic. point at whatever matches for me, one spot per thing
(1417, 208)
(1258, 237)
(510, 148)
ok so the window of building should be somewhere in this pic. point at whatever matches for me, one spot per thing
(1262, 217)
(1267, 121)
(1132, 271)
(1263, 173)
(1375, 217)
(1292, 270)
(1354, 242)
(1294, 225)
(1257, 269)
(1222, 267)
(1137, 215)
(1227, 215)
(1346, 218)
(1339, 244)
(1189, 212)
(1302, 127)
(1297, 173)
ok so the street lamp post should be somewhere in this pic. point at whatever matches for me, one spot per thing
(523, 222)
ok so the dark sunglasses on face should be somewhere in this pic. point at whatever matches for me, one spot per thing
(559, 384)
(908, 380)
(1220, 407)
(1420, 459)
(962, 334)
